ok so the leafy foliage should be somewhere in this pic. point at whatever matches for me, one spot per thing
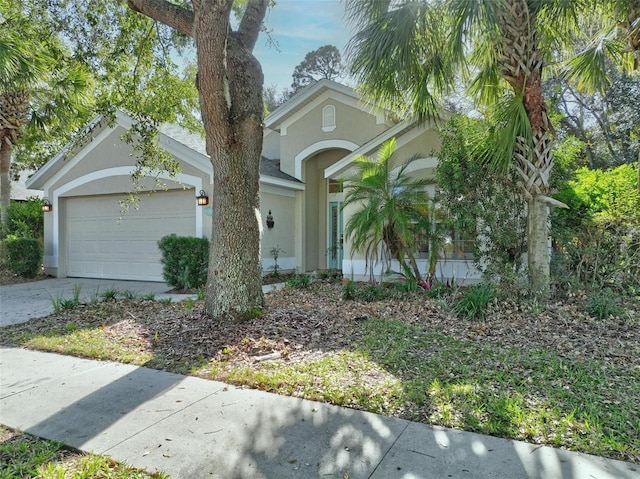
(392, 219)
(185, 261)
(24, 256)
(477, 203)
(598, 240)
(325, 62)
(603, 304)
(25, 219)
(299, 281)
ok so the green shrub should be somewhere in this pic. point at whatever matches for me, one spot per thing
(439, 289)
(349, 291)
(299, 281)
(475, 300)
(185, 261)
(25, 219)
(602, 304)
(24, 256)
(373, 292)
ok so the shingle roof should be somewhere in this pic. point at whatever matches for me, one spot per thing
(272, 168)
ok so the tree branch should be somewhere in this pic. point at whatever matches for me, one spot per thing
(174, 16)
(251, 23)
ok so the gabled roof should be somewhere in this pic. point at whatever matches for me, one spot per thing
(370, 147)
(179, 141)
(310, 93)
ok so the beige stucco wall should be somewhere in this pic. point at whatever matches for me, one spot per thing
(271, 144)
(283, 233)
(304, 130)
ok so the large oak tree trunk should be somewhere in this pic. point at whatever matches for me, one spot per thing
(230, 85)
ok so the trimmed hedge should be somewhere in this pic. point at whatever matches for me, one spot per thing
(185, 261)
(24, 256)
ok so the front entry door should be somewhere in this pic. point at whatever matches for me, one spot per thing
(335, 236)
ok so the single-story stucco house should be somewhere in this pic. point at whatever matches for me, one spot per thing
(310, 143)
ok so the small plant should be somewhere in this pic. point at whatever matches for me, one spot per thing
(149, 297)
(603, 304)
(254, 313)
(188, 303)
(126, 294)
(109, 294)
(70, 327)
(475, 300)
(324, 274)
(349, 291)
(275, 254)
(166, 300)
(371, 293)
(201, 295)
(438, 289)
(60, 303)
(299, 281)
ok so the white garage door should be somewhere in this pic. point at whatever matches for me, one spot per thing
(100, 245)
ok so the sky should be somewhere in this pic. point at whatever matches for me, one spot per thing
(298, 27)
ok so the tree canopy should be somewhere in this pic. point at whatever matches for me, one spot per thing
(325, 62)
(410, 55)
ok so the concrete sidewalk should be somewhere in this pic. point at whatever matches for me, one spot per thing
(194, 428)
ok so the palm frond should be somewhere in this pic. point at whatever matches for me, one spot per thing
(512, 124)
(589, 70)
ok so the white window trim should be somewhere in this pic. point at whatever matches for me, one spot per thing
(326, 126)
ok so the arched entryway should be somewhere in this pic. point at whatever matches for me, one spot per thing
(320, 238)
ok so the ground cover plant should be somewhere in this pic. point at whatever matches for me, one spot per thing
(24, 456)
(552, 374)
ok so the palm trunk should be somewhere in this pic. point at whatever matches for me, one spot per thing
(5, 179)
(522, 67)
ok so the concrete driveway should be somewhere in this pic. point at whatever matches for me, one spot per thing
(21, 302)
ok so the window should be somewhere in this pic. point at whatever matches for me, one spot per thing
(335, 186)
(328, 118)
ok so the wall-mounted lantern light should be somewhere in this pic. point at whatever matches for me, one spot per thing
(202, 198)
(270, 221)
(46, 206)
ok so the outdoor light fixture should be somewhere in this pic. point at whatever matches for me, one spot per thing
(270, 221)
(202, 198)
(46, 205)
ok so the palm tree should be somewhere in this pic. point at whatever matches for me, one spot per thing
(40, 87)
(414, 52)
(393, 212)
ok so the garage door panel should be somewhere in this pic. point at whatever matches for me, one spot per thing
(103, 243)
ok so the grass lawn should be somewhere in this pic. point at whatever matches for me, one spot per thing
(548, 375)
(25, 456)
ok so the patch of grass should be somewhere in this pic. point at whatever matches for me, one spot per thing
(346, 378)
(149, 297)
(23, 455)
(91, 343)
(521, 394)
